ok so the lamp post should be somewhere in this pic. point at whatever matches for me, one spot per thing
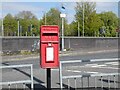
(18, 27)
(2, 33)
(31, 30)
(62, 16)
(45, 19)
(20, 30)
(2, 28)
(78, 29)
(44, 14)
(83, 20)
(2, 23)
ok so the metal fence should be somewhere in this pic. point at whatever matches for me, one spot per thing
(89, 81)
(9, 83)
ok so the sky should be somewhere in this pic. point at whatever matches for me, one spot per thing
(39, 8)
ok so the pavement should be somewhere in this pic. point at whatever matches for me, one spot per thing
(61, 53)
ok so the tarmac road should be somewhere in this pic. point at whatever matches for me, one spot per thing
(70, 56)
(40, 74)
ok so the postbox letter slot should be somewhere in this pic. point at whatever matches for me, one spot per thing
(50, 34)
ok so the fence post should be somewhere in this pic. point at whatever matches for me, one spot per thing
(16, 86)
(102, 82)
(32, 86)
(75, 83)
(68, 84)
(82, 82)
(114, 82)
(23, 86)
(95, 83)
(60, 77)
(9, 86)
(88, 82)
(109, 82)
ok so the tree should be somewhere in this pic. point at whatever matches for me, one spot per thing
(94, 24)
(52, 17)
(110, 22)
(35, 26)
(28, 22)
(86, 9)
(72, 29)
(10, 25)
(25, 15)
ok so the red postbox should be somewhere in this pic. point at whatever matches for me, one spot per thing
(49, 47)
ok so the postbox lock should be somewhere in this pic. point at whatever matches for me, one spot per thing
(49, 44)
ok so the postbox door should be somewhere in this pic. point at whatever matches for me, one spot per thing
(49, 56)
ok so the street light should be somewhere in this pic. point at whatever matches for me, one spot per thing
(2, 23)
(83, 19)
(18, 26)
(45, 17)
(20, 30)
(78, 29)
(62, 15)
(2, 28)
(31, 30)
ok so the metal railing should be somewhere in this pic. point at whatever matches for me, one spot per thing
(20, 81)
(107, 77)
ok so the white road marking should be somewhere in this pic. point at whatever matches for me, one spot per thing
(76, 71)
(107, 59)
(102, 51)
(105, 65)
(55, 69)
(108, 67)
(89, 65)
(112, 63)
(93, 72)
(99, 66)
